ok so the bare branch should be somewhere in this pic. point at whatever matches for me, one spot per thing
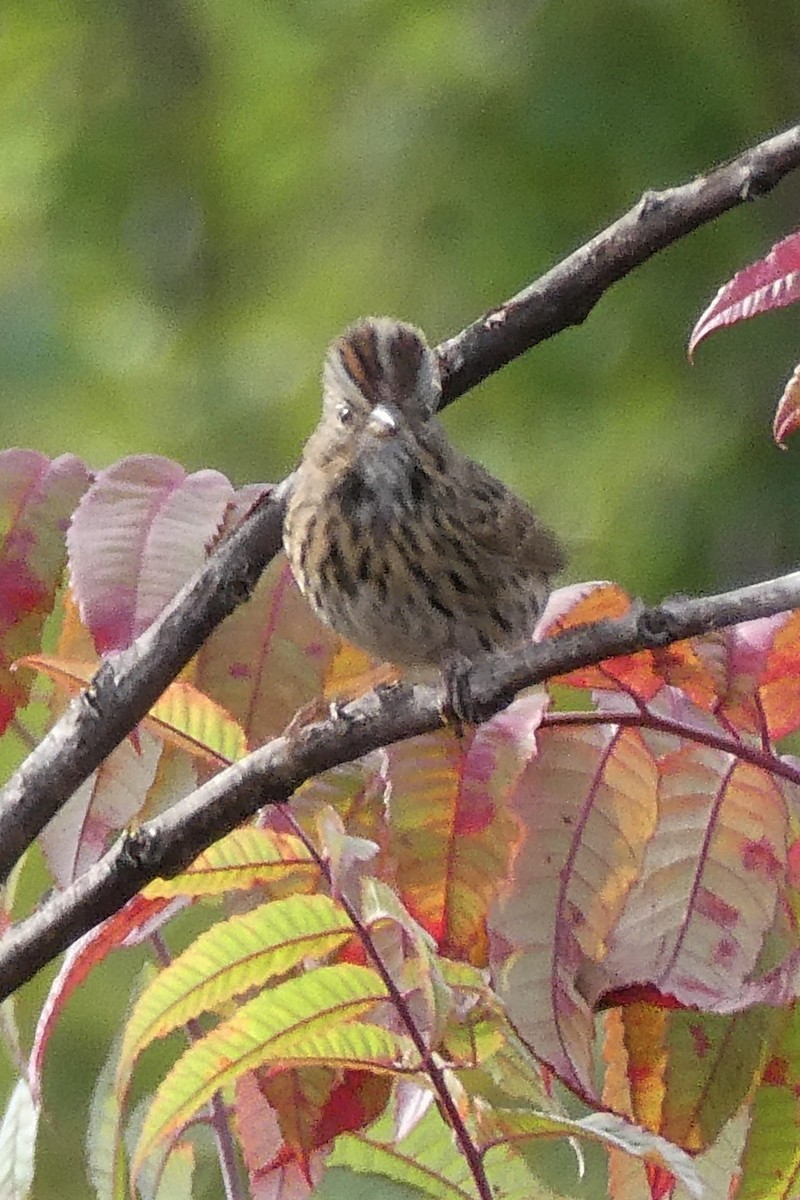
(567, 294)
(128, 684)
(269, 775)
(125, 688)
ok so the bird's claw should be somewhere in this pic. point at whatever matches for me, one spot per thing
(458, 708)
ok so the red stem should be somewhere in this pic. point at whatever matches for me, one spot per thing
(647, 719)
(435, 1073)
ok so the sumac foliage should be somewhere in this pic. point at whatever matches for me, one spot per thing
(577, 922)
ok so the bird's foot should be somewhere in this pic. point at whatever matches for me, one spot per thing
(458, 707)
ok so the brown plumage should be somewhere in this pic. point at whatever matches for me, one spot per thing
(402, 544)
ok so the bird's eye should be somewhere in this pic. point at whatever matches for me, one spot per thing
(344, 412)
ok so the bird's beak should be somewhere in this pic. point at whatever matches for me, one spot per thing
(383, 421)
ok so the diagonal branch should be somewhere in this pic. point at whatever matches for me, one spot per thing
(567, 294)
(126, 688)
(269, 775)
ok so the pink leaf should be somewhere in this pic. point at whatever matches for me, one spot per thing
(696, 921)
(80, 832)
(586, 809)
(139, 533)
(274, 1171)
(772, 282)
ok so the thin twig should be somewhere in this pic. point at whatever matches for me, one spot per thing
(567, 294)
(428, 1062)
(647, 719)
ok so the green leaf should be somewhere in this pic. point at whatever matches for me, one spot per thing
(245, 859)
(231, 958)
(178, 1174)
(310, 1019)
(341, 1183)
(771, 1158)
(427, 1161)
(512, 1126)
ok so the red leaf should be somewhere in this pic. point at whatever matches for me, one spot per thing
(779, 677)
(772, 282)
(637, 993)
(286, 1118)
(683, 665)
(661, 1181)
(130, 926)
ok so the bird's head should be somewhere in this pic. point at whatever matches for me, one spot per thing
(380, 383)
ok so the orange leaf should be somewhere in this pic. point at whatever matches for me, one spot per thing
(632, 673)
(183, 716)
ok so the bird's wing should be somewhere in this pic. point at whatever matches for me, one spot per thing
(506, 527)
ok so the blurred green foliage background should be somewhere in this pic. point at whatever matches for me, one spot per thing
(196, 195)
